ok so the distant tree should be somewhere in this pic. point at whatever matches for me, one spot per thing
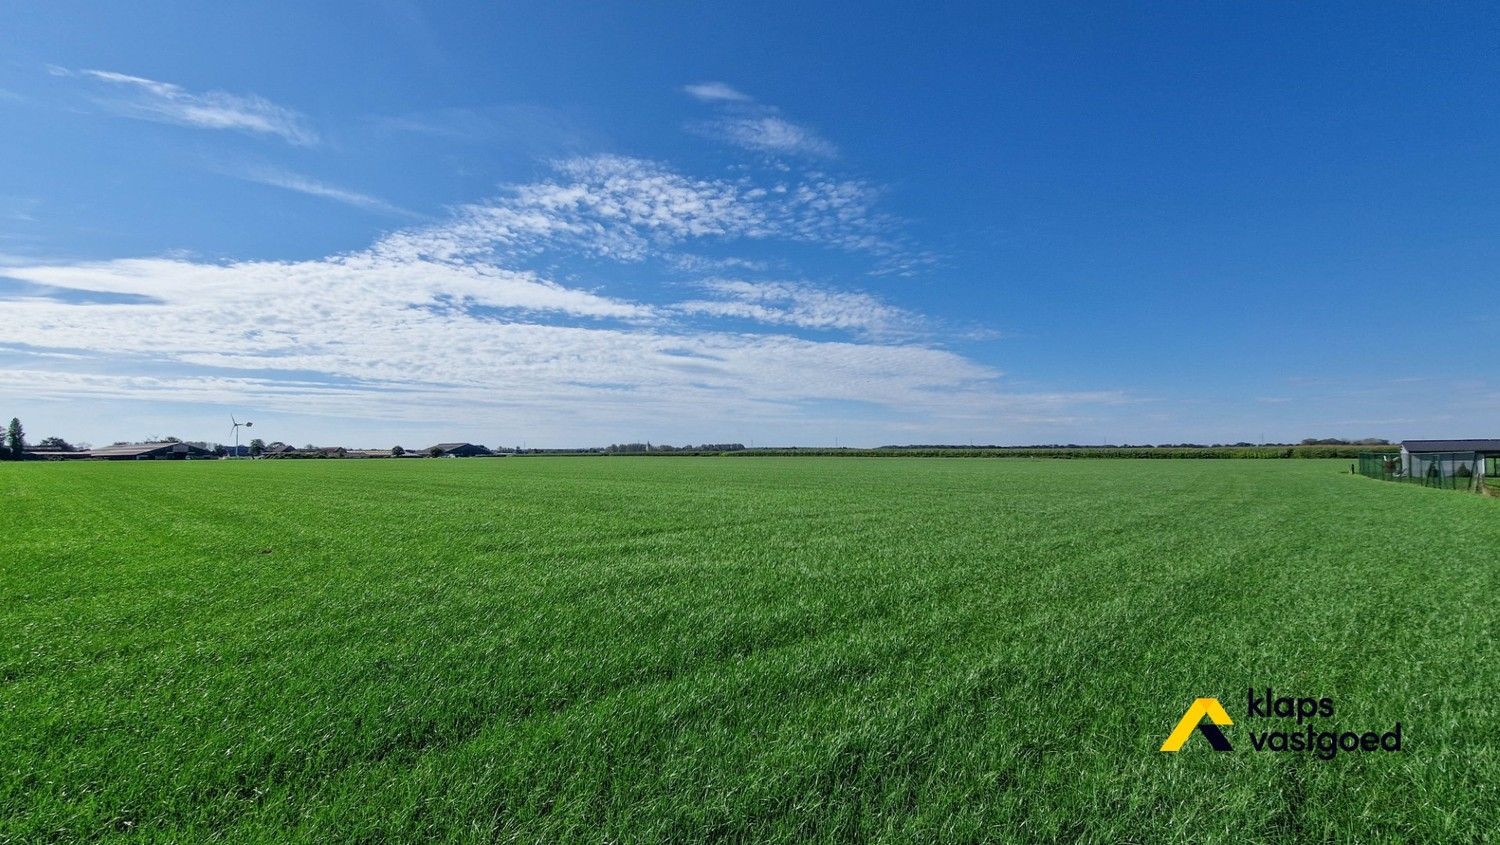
(1324, 441)
(256, 447)
(55, 444)
(397, 451)
(220, 449)
(15, 439)
(434, 452)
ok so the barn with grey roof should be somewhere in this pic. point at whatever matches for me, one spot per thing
(168, 451)
(1463, 464)
(456, 450)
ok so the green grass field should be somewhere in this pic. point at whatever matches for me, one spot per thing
(770, 650)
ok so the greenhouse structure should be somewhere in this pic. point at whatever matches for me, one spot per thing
(1453, 464)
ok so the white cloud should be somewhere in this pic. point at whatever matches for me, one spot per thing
(692, 263)
(164, 102)
(363, 280)
(755, 127)
(804, 306)
(279, 178)
(629, 209)
(447, 319)
(767, 134)
(382, 342)
(715, 92)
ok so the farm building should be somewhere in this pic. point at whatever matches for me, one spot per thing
(150, 452)
(1448, 457)
(456, 450)
(1456, 464)
(56, 455)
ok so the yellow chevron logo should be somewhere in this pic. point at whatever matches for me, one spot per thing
(1193, 718)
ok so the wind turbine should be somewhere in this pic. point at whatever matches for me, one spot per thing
(236, 426)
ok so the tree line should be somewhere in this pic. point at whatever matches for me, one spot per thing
(642, 448)
(13, 446)
(15, 440)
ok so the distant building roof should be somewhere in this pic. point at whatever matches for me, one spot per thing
(57, 454)
(462, 450)
(1451, 445)
(126, 450)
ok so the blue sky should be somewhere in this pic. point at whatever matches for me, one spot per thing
(774, 223)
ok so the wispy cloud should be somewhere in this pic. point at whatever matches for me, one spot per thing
(524, 129)
(278, 178)
(767, 134)
(804, 306)
(687, 262)
(754, 126)
(631, 209)
(165, 102)
(715, 92)
(19, 209)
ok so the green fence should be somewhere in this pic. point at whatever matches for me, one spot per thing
(1448, 470)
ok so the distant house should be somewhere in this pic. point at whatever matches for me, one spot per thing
(279, 449)
(456, 450)
(150, 452)
(367, 453)
(1446, 458)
